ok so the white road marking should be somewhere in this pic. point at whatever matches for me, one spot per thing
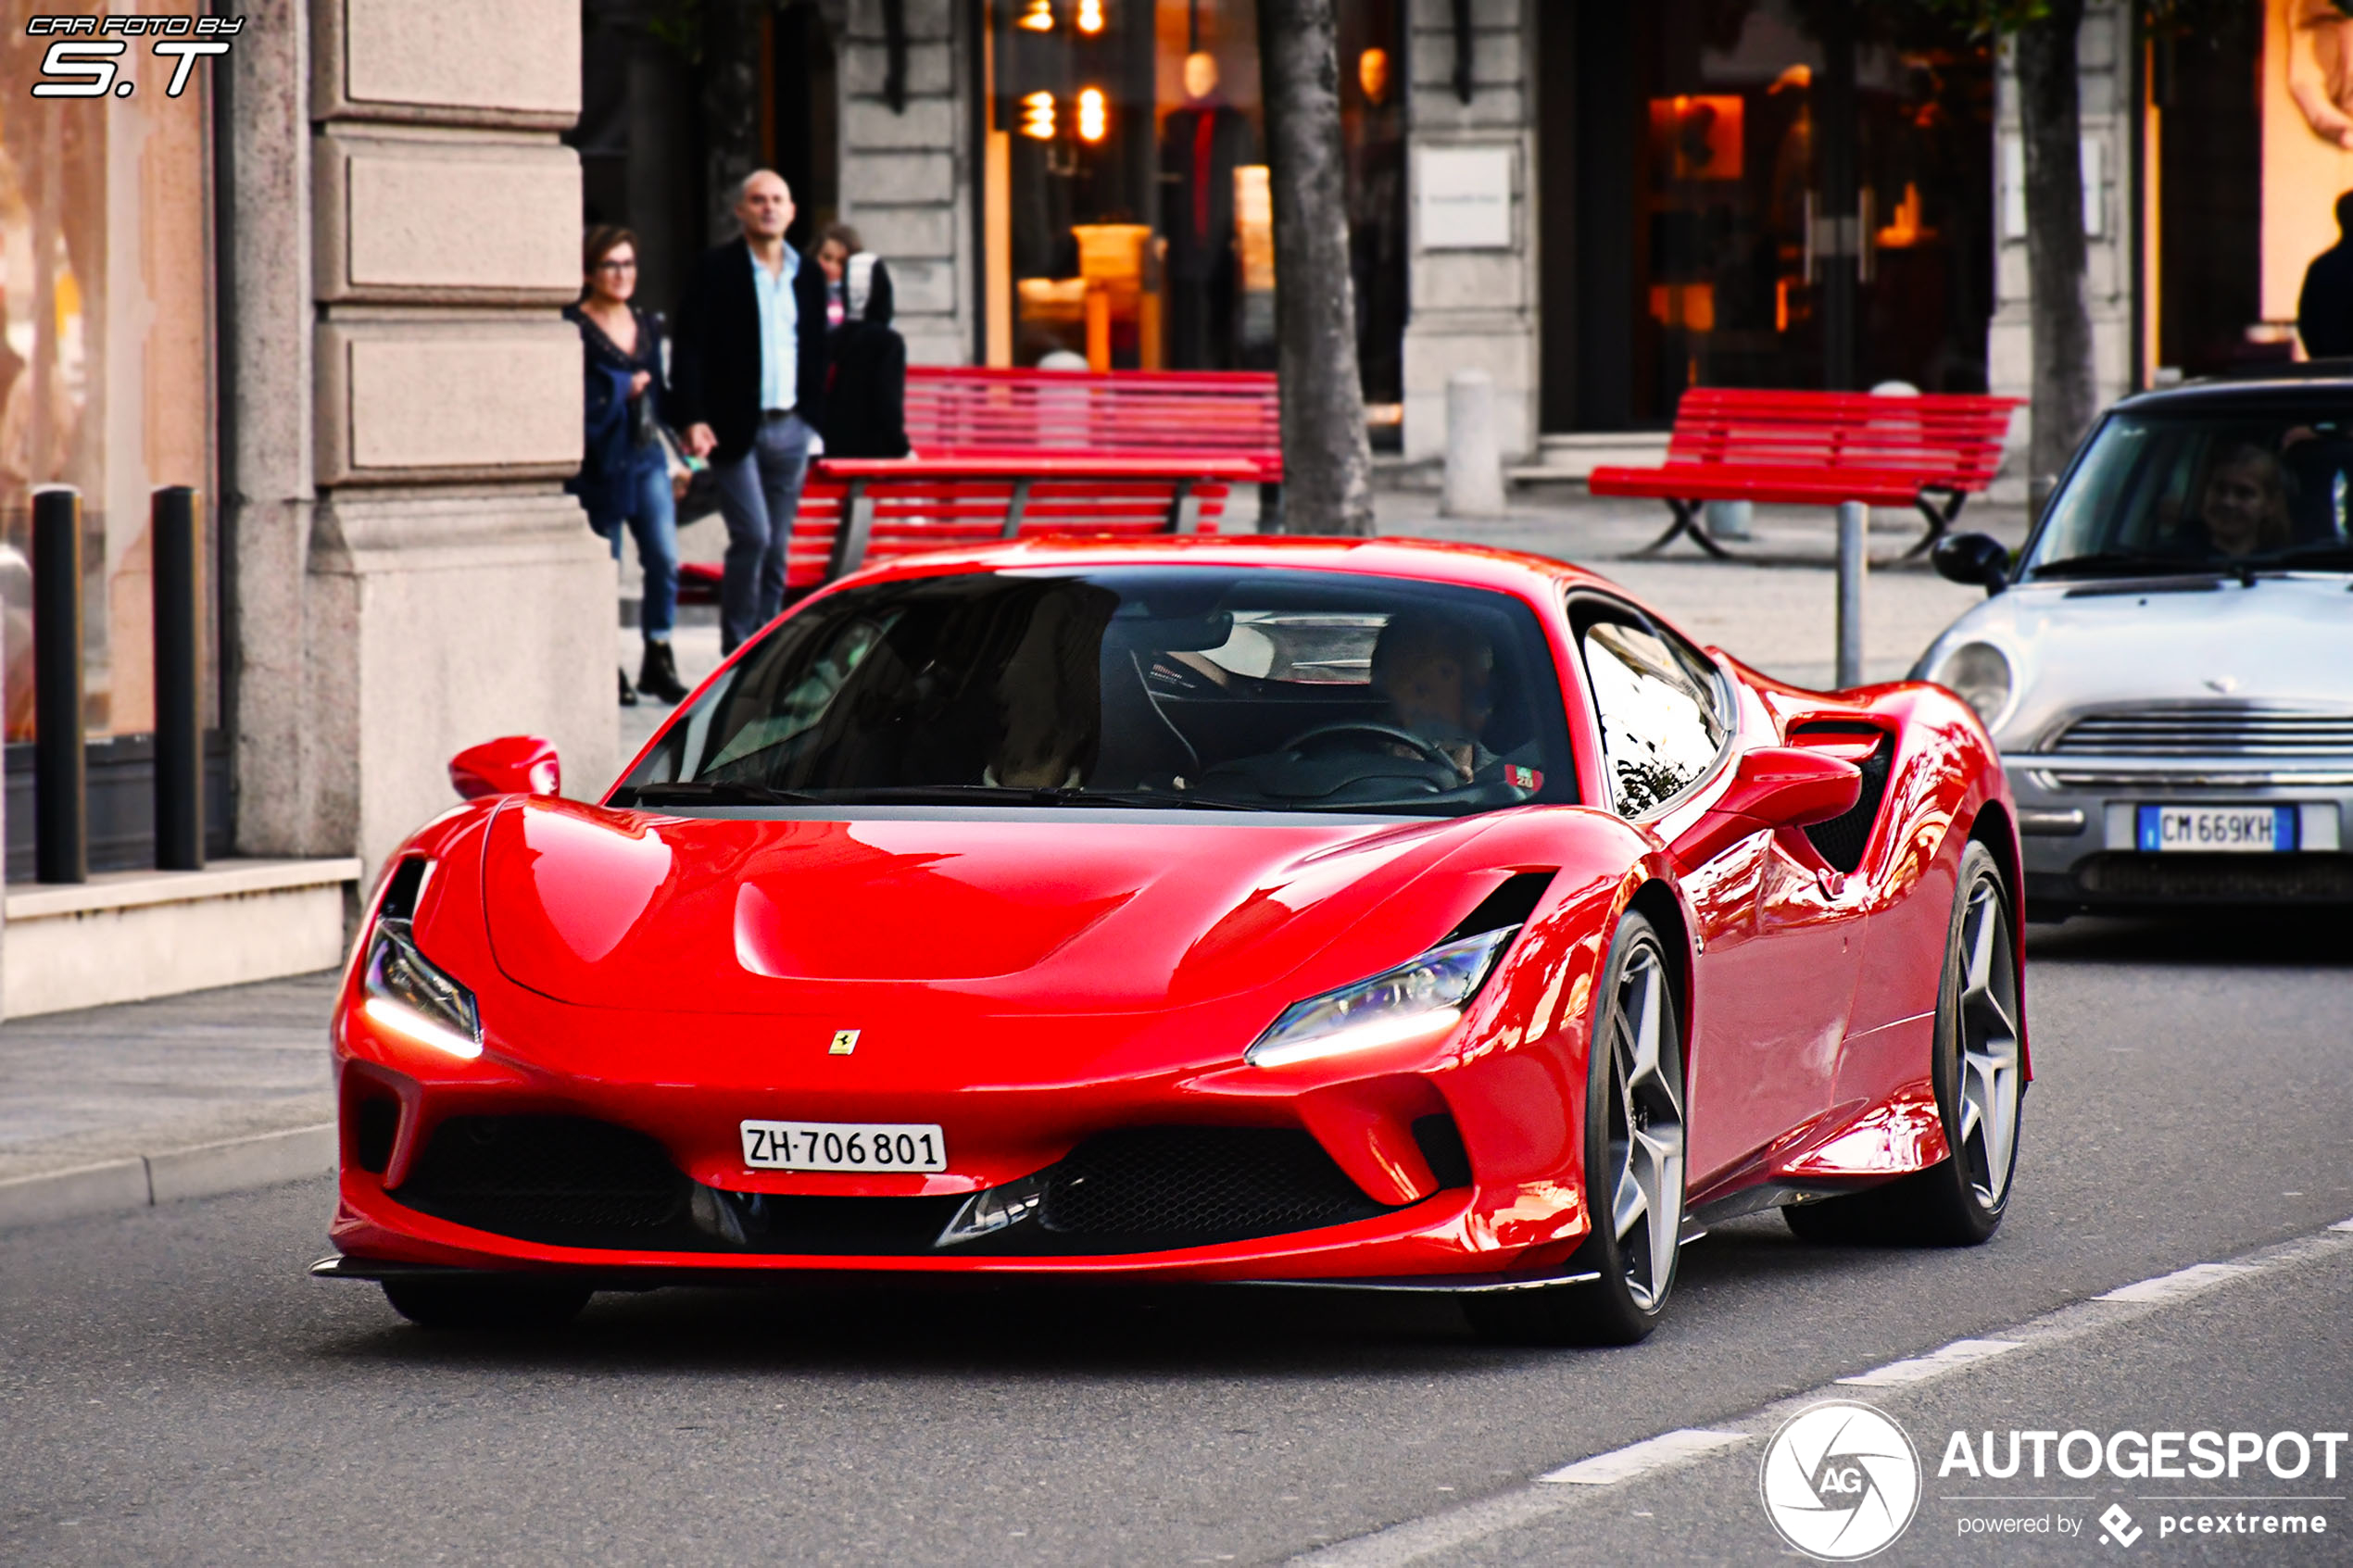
(1639, 1459)
(1920, 1369)
(2180, 1282)
(1416, 1540)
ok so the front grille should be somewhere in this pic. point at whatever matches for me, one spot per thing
(560, 1180)
(2220, 879)
(1190, 1186)
(2207, 730)
(567, 1181)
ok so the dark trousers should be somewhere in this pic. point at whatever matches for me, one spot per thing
(759, 494)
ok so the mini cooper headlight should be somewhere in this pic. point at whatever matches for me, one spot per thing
(409, 995)
(1979, 675)
(1423, 996)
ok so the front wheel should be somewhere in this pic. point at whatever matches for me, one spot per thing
(1979, 1068)
(1633, 1168)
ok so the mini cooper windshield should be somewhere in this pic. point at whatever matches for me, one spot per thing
(1173, 686)
(2162, 493)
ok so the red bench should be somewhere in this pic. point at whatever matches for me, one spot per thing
(1932, 451)
(962, 411)
(858, 510)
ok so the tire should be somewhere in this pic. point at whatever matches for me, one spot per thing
(479, 1303)
(1634, 1167)
(1981, 1087)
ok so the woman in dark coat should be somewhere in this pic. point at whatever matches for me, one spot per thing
(866, 405)
(624, 470)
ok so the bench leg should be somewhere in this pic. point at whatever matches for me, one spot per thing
(1940, 520)
(1686, 522)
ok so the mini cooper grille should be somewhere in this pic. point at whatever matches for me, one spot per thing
(2206, 730)
(554, 1179)
(1188, 1187)
(2220, 878)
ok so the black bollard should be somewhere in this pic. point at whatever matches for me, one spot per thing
(60, 806)
(176, 539)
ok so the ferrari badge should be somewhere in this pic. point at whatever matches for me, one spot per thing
(845, 1041)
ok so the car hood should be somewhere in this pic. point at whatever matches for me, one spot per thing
(2282, 640)
(1107, 912)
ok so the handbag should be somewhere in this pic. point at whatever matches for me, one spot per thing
(694, 485)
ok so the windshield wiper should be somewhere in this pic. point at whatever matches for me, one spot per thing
(711, 792)
(2128, 563)
(2325, 554)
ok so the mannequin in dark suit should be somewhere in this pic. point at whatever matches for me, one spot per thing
(1200, 148)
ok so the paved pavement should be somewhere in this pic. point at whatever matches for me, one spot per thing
(176, 1392)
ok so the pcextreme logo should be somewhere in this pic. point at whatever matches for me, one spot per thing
(1839, 1481)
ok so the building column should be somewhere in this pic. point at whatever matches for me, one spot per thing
(405, 226)
(1471, 308)
(2105, 83)
(907, 175)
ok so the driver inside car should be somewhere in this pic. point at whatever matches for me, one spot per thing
(1436, 672)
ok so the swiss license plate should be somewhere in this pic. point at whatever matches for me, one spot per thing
(843, 1145)
(2238, 829)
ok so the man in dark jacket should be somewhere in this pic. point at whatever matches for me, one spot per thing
(2324, 310)
(747, 385)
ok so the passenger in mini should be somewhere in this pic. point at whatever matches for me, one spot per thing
(2245, 511)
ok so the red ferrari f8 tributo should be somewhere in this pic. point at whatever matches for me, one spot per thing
(1371, 913)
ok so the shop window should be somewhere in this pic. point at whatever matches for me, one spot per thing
(1694, 269)
(1127, 215)
(105, 357)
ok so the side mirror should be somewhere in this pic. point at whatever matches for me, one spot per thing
(1978, 560)
(1774, 786)
(509, 765)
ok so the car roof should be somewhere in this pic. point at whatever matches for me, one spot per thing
(1431, 560)
(2285, 383)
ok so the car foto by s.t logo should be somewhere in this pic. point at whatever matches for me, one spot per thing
(82, 62)
(1839, 1481)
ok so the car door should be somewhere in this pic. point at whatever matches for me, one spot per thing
(1776, 968)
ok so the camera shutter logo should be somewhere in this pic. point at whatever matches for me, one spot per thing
(1839, 1481)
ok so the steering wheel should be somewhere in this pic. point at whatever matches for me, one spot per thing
(1430, 750)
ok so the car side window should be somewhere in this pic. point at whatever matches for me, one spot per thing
(1660, 712)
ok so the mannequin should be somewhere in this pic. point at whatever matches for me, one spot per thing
(1201, 147)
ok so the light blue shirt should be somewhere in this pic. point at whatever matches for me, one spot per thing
(779, 331)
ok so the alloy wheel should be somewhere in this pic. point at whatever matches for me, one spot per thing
(1989, 1065)
(1645, 1129)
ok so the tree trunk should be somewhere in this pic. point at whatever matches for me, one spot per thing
(1328, 459)
(2064, 390)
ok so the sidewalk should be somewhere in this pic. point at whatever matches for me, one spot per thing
(116, 1108)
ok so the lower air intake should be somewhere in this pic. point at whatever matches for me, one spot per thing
(1191, 1186)
(2220, 878)
(563, 1180)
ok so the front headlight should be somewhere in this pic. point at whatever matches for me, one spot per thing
(409, 995)
(1425, 997)
(1979, 675)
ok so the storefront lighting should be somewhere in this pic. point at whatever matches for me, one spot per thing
(1090, 16)
(1037, 16)
(1094, 114)
(1037, 115)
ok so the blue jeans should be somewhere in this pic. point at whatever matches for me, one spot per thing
(759, 494)
(653, 522)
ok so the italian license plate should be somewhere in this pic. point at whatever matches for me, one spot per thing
(2238, 829)
(843, 1145)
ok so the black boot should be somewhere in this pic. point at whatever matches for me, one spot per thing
(658, 676)
(628, 698)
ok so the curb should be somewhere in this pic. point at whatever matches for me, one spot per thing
(207, 1169)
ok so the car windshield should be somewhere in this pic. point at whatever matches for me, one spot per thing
(2227, 491)
(1250, 689)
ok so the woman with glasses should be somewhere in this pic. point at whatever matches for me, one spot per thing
(624, 470)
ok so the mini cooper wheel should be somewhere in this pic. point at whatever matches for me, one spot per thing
(1980, 1072)
(1633, 1168)
(486, 1303)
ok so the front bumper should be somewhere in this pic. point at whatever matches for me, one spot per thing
(2078, 832)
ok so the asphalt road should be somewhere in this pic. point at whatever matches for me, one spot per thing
(173, 1390)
